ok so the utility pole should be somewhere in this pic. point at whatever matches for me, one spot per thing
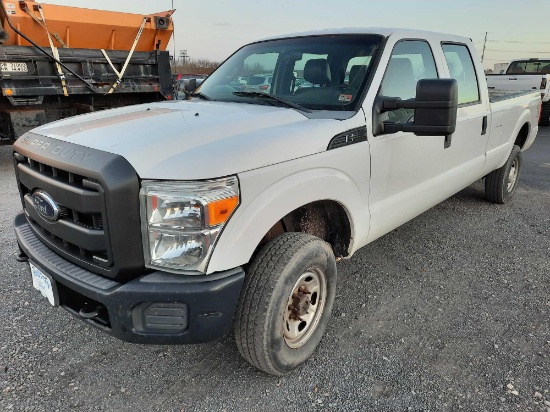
(174, 35)
(484, 44)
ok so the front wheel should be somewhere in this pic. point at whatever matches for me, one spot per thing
(286, 302)
(501, 184)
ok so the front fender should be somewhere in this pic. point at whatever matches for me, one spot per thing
(269, 194)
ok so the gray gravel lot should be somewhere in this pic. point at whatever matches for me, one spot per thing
(448, 312)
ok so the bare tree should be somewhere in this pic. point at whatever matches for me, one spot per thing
(194, 66)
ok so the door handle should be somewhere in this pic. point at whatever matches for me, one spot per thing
(484, 126)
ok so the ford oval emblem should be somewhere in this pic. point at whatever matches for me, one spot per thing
(45, 205)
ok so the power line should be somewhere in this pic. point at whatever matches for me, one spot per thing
(518, 51)
(519, 42)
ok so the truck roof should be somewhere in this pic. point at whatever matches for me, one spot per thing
(384, 31)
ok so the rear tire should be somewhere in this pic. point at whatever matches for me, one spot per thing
(501, 184)
(286, 302)
(545, 114)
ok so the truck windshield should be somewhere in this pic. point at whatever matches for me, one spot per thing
(327, 72)
(529, 67)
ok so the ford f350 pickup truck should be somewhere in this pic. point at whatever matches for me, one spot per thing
(175, 222)
(526, 75)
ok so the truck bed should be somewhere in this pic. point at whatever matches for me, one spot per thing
(500, 95)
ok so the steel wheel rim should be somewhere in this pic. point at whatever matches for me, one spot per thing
(297, 332)
(512, 176)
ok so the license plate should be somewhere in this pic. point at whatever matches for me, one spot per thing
(13, 67)
(44, 284)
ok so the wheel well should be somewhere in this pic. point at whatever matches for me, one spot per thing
(325, 219)
(522, 136)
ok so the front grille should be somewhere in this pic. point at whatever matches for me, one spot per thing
(79, 233)
(96, 195)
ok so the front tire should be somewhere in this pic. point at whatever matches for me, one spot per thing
(501, 184)
(286, 302)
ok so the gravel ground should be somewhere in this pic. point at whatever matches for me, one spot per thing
(448, 312)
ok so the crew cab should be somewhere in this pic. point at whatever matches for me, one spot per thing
(176, 222)
(526, 74)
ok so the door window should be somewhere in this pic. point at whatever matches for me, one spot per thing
(461, 68)
(411, 61)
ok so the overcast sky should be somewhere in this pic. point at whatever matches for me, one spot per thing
(213, 29)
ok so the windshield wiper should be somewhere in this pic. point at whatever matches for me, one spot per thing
(198, 94)
(272, 97)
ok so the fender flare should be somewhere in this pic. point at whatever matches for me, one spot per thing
(253, 219)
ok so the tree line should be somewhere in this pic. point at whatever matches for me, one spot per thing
(194, 66)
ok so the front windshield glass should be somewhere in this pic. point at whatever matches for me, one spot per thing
(315, 72)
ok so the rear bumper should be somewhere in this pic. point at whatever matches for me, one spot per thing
(157, 308)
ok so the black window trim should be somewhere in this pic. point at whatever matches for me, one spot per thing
(453, 43)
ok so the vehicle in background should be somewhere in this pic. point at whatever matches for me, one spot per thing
(59, 61)
(258, 82)
(183, 81)
(522, 75)
(301, 83)
(188, 77)
(175, 222)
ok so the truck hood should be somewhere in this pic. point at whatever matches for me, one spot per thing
(186, 140)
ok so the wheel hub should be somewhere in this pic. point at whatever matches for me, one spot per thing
(304, 307)
(300, 304)
(512, 176)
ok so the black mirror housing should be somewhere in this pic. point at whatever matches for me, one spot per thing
(191, 85)
(433, 120)
(435, 107)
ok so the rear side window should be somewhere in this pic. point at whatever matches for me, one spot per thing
(461, 68)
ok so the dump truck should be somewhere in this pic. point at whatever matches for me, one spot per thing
(59, 61)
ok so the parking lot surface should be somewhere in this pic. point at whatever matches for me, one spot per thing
(450, 311)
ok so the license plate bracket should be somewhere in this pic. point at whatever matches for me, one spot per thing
(45, 284)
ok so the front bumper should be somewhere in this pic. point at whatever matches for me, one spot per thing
(157, 308)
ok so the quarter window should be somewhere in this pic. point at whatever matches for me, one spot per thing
(461, 68)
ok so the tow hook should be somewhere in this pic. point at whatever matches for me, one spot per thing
(88, 312)
(21, 256)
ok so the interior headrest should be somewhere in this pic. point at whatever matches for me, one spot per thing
(317, 71)
(399, 80)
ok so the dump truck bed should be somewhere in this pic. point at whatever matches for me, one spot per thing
(74, 27)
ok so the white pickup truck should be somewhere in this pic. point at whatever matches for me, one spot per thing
(525, 75)
(175, 222)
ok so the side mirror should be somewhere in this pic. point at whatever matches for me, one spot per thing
(435, 109)
(191, 85)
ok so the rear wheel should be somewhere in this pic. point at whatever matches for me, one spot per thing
(286, 302)
(545, 114)
(501, 184)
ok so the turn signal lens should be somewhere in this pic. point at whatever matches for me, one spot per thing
(220, 210)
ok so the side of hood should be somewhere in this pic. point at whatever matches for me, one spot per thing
(197, 140)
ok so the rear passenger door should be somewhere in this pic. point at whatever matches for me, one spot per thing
(470, 139)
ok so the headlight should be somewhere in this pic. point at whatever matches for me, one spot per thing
(182, 220)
